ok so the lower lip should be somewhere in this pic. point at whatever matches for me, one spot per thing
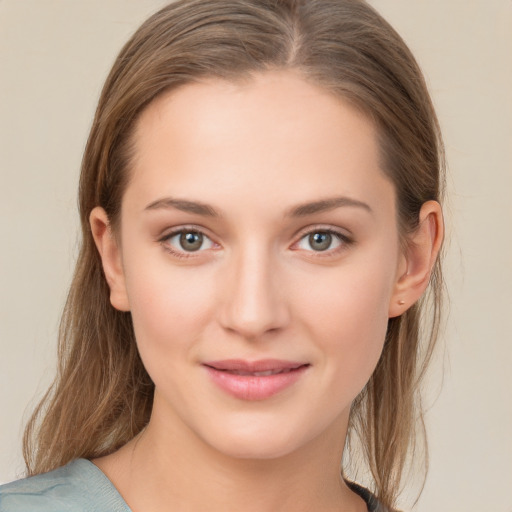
(251, 387)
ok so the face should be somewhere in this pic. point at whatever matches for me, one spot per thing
(259, 256)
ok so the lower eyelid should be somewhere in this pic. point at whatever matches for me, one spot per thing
(343, 242)
(342, 239)
(165, 241)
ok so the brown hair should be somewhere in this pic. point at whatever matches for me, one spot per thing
(102, 395)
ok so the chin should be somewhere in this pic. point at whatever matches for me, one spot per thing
(257, 450)
(257, 442)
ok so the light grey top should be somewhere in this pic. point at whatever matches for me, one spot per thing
(77, 487)
(80, 486)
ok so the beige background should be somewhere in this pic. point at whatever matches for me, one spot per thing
(54, 56)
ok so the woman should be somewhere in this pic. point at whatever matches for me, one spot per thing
(260, 206)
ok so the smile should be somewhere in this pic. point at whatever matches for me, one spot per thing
(254, 380)
(257, 374)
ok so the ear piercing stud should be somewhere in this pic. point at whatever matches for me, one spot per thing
(401, 302)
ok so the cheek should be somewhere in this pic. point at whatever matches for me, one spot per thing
(347, 314)
(170, 306)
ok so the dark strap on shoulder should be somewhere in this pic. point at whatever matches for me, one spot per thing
(373, 504)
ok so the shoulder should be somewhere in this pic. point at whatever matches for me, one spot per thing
(77, 487)
(370, 499)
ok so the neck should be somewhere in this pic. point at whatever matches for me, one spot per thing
(164, 466)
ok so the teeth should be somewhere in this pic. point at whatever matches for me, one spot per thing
(257, 374)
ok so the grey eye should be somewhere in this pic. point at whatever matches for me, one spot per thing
(191, 241)
(319, 241)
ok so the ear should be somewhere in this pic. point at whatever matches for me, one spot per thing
(416, 266)
(110, 255)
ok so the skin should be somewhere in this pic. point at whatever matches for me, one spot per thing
(257, 288)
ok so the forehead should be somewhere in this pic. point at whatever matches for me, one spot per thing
(275, 135)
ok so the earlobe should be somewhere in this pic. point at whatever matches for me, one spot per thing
(423, 250)
(110, 255)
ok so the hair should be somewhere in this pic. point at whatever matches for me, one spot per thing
(102, 395)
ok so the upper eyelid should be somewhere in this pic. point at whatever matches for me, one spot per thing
(164, 238)
(343, 233)
(299, 235)
(169, 232)
(342, 238)
(302, 231)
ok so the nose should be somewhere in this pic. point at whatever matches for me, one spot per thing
(253, 300)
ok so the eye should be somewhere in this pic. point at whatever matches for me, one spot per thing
(187, 240)
(322, 240)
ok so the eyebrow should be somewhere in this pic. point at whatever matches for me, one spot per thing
(184, 205)
(301, 210)
(326, 205)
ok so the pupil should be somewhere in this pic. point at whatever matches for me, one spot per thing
(191, 241)
(320, 241)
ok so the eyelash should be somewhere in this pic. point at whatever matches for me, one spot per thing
(344, 240)
(181, 254)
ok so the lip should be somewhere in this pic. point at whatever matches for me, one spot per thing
(247, 386)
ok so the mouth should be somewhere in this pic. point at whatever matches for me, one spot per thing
(255, 380)
(259, 368)
(257, 374)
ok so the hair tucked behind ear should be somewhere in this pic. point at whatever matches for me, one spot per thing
(102, 395)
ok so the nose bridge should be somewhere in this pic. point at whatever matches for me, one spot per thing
(253, 301)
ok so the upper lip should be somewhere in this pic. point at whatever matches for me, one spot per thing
(262, 365)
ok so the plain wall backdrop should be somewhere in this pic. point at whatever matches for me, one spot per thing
(54, 57)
